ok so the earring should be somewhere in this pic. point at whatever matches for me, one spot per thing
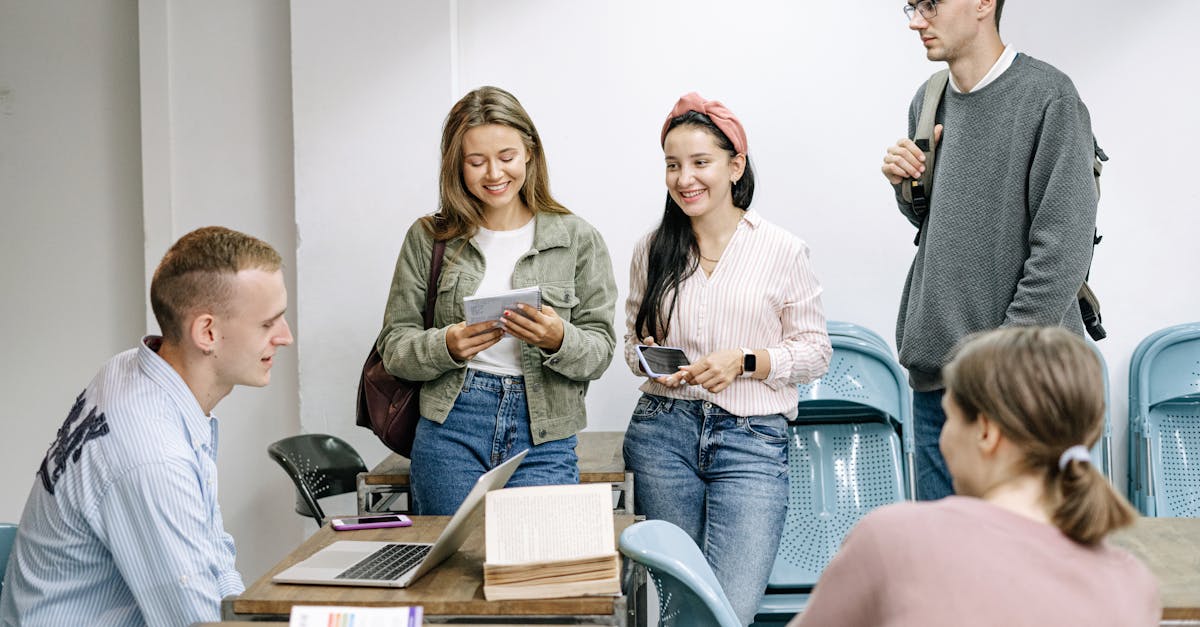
(208, 352)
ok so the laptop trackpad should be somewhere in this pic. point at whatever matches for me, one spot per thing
(335, 559)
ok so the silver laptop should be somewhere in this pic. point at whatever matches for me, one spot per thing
(393, 564)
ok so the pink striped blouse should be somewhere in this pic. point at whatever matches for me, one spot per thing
(762, 294)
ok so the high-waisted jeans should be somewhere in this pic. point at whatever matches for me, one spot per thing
(488, 424)
(720, 477)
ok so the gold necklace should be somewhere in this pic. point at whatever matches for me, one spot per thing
(710, 260)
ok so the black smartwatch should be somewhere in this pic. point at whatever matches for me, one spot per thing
(749, 362)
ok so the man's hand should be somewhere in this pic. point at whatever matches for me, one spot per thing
(464, 341)
(715, 371)
(904, 160)
(541, 328)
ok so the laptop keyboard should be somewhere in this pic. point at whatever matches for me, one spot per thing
(387, 563)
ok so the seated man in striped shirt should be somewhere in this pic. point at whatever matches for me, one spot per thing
(122, 526)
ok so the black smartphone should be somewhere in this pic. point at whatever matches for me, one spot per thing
(661, 361)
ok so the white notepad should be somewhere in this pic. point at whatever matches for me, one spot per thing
(491, 307)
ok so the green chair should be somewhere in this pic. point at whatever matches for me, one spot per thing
(689, 594)
(320, 465)
(8, 533)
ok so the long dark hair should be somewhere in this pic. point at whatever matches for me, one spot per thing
(674, 253)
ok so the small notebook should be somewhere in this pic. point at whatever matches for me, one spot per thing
(492, 306)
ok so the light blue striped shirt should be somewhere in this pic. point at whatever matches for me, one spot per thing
(122, 526)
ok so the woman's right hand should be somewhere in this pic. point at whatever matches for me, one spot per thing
(464, 341)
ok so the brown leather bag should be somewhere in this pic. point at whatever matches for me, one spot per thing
(388, 405)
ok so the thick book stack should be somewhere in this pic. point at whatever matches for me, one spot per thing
(549, 542)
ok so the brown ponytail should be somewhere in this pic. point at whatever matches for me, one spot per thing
(1044, 388)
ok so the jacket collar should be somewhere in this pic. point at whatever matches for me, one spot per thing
(549, 231)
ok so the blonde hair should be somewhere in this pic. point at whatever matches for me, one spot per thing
(461, 211)
(197, 273)
(1044, 388)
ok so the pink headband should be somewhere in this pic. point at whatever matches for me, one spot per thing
(721, 116)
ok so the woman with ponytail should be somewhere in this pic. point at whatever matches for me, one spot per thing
(707, 444)
(1023, 543)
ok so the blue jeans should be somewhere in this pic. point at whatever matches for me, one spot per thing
(722, 478)
(933, 478)
(488, 424)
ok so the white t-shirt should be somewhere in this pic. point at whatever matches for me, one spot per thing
(501, 251)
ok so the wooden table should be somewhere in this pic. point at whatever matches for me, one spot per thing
(600, 461)
(452, 592)
(1171, 548)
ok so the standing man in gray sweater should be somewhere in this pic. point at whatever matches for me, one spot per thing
(1007, 239)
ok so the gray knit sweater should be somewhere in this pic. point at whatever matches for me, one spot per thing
(1008, 238)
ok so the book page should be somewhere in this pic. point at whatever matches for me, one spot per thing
(492, 306)
(548, 523)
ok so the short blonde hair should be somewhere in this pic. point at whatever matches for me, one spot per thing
(197, 274)
(1044, 388)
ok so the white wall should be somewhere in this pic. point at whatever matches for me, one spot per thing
(821, 88)
(217, 145)
(70, 216)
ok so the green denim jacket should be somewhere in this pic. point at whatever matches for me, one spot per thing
(570, 262)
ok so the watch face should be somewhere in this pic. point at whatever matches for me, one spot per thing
(749, 362)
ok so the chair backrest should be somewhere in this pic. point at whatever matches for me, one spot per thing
(864, 383)
(319, 465)
(8, 533)
(849, 329)
(688, 591)
(837, 473)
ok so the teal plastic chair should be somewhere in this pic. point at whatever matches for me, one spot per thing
(1102, 450)
(319, 465)
(849, 329)
(689, 594)
(848, 450)
(8, 533)
(1138, 445)
(1166, 406)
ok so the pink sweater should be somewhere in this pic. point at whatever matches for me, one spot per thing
(963, 561)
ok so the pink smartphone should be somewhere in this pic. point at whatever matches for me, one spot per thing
(371, 522)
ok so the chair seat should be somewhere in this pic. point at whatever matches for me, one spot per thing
(838, 473)
(1174, 432)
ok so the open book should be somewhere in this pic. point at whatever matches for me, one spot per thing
(547, 542)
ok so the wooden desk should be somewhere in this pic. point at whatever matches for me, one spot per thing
(600, 461)
(452, 592)
(1171, 548)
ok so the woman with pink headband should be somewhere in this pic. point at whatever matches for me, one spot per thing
(708, 443)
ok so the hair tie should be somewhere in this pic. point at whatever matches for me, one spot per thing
(721, 116)
(1078, 452)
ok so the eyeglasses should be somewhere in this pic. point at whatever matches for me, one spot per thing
(927, 9)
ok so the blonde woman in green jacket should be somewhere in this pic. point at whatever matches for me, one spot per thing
(493, 389)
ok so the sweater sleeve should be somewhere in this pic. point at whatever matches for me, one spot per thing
(1062, 214)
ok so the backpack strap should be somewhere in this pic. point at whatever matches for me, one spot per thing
(916, 191)
(435, 271)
